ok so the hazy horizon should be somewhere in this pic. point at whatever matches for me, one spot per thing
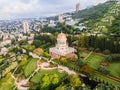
(40, 8)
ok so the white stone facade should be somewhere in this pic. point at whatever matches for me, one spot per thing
(61, 47)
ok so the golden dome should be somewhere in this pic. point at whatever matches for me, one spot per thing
(61, 36)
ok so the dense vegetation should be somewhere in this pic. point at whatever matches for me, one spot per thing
(100, 43)
(115, 27)
(102, 18)
(94, 13)
(61, 27)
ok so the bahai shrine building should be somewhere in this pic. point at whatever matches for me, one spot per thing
(61, 48)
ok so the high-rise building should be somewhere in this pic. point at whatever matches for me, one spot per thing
(77, 7)
(26, 27)
(60, 19)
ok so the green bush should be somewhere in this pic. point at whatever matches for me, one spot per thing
(116, 57)
(108, 58)
(80, 63)
(29, 48)
(97, 50)
(103, 70)
(91, 49)
(0, 60)
(106, 52)
(46, 54)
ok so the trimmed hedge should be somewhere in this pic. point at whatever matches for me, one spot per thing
(114, 57)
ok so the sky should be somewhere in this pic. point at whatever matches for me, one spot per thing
(12, 9)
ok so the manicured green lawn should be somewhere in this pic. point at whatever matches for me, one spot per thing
(37, 77)
(114, 69)
(31, 66)
(94, 60)
(83, 54)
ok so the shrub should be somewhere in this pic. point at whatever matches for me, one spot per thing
(80, 63)
(60, 88)
(63, 59)
(91, 49)
(0, 60)
(75, 81)
(29, 48)
(106, 52)
(38, 51)
(108, 58)
(103, 70)
(46, 54)
(72, 57)
(116, 57)
(97, 50)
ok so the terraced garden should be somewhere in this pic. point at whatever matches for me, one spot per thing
(94, 62)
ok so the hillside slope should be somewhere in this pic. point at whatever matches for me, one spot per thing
(103, 18)
(94, 12)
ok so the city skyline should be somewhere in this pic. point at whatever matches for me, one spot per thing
(40, 8)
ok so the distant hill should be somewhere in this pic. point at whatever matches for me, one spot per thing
(95, 12)
(103, 17)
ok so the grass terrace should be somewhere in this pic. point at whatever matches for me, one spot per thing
(83, 54)
(94, 60)
(114, 68)
(31, 66)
